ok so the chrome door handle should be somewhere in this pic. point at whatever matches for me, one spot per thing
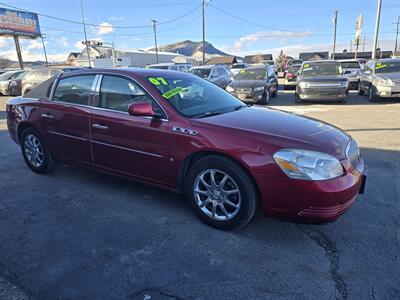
(47, 115)
(100, 126)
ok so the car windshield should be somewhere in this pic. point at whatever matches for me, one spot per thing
(292, 62)
(387, 67)
(6, 75)
(350, 64)
(294, 69)
(201, 72)
(158, 67)
(21, 75)
(252, 74)
(194, 97)
(238, 66)
(316, 69)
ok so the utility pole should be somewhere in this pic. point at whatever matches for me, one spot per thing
(19, 55)
(378, 16)
(397, 33)
(364, 44)
(204, 33)
(44, 49)
(84, 31)
(155, 38)
(334, 34)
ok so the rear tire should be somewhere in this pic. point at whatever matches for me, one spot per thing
(36, 153)
(227, 202)
(274, 94)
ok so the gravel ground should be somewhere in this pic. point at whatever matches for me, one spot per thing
(78, 234)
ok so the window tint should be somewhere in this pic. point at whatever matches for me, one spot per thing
(117, 93)
(221, 72)
(182, 68)
(173, 68)
(43, 75)
(74, 90)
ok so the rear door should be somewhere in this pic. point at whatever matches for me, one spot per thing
(65, 118)
(135, 146)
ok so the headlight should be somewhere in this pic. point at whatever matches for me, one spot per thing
(258, 89)
(384, 82)
(13, 83)
(303, 85)
(230, 89)
(308, 165)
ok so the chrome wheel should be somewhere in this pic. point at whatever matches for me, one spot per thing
(33, 150)
(217, 194)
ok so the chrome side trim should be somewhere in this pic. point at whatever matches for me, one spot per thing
(67, 135)
(128, 149)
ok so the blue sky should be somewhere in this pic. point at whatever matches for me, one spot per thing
(264, 25)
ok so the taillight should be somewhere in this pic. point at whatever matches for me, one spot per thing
(289, 75)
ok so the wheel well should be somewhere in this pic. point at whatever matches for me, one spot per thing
(21, 127)
(191, 159)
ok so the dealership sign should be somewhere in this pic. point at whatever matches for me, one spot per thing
(19, 23)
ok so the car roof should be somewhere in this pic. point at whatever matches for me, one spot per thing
(295, 65)
(348, 60)
(161, 64)
(133, 71)
(387, 60)
(204, 67)
(321, 61)
(257, 67)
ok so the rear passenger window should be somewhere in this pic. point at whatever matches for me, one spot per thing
(75, 90)
(182, 68)
(117, 93)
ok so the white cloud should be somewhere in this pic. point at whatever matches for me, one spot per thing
(62, 41)
(35, 44)
(248, 40)
(78, 45)
(3, 42)
(35, 55)
(105, 30)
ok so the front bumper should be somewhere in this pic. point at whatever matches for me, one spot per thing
(249, 96)
(322, 93)
(353, 82)
(388, 91)
(311, 200)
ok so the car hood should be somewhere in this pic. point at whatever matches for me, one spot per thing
(247, 83)
(283, 129)
(323, 78)
(391, 76)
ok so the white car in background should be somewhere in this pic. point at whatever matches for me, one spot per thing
(271, 63)
(235, 69)
(351, 69)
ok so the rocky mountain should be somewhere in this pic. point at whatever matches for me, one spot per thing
(190, 48)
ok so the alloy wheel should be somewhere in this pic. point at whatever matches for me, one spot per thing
(33, 150)
(217, 194)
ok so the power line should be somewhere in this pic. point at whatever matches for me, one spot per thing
(103, 26)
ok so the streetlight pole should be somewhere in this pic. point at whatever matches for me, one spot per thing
(204, 33)
(334, 34)
(44, 49)
(397, 33)
(84, 31)
(155, 38)
(378, 16)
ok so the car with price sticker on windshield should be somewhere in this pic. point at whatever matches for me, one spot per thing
(322, 80)
(255, 84)
(176, 131)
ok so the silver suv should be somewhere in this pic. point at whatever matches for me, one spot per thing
(217, 74)
(380, 78)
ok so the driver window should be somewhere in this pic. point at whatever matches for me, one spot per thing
(117, 93)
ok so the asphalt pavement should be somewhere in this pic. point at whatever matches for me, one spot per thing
(79, 234)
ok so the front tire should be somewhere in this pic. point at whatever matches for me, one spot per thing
(372, 94)
(360, 90)
(296, 98)
(265, 98)
(221, 192)
(36, 153)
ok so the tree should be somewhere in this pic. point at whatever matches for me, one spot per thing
(281, 60)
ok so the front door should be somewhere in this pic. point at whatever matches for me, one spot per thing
(64, 120)
(131, 145)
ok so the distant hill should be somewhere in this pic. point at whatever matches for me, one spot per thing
(190, 48)
(8, 63)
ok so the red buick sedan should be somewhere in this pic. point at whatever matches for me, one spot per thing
(177, 131)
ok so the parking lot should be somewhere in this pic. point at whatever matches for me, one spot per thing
(81, 234)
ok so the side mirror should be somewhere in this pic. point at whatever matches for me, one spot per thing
(144, 109)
